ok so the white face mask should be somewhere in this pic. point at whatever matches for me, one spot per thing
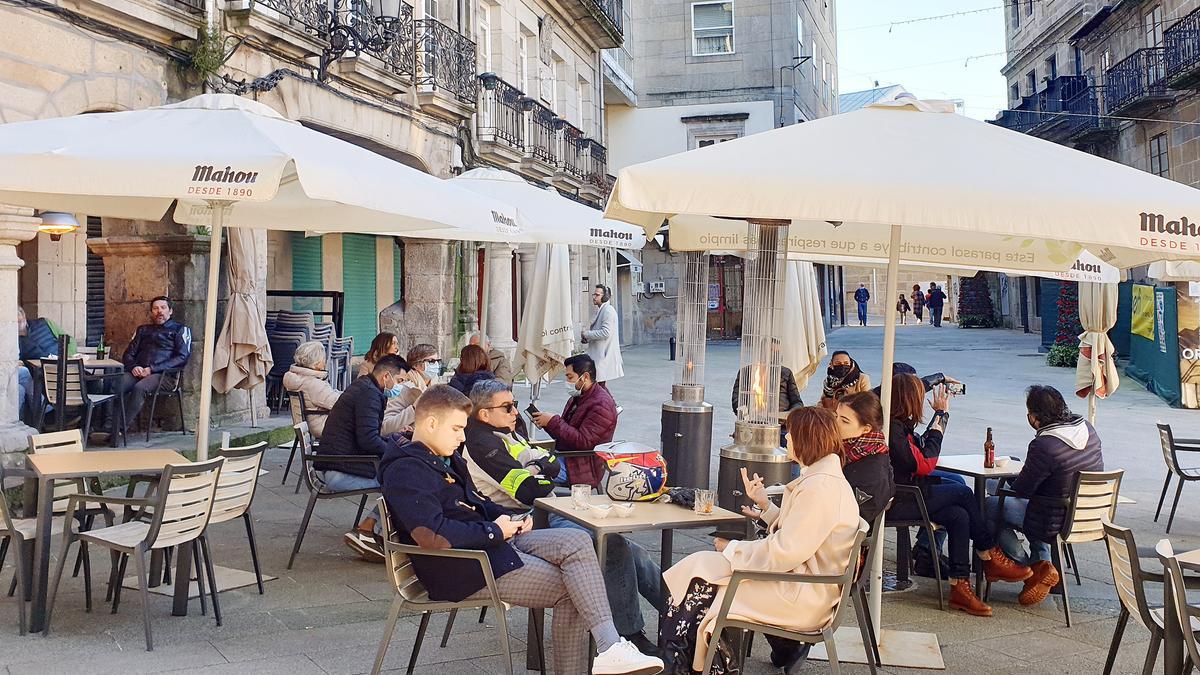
(433, 370)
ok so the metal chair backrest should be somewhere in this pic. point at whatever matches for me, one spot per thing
(305, 439)
(185, 503)
(1167, 439)
(73, 378)
(238, 481)
(1127, 573)
(1187, 616)
(851, 572)
(60, 442)
(6, 524)
(1093, 504)
(399, 565)
(296, 405)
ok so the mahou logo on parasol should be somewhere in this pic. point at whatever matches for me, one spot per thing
(221, 182)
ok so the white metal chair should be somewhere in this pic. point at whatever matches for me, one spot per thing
(411, 594)
(845, 581)
(1186, 615)
(1187, 471)
(1130, 581)
(180, 513)
(235, 492)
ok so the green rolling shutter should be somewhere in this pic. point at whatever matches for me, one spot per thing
(358, 282)
(397, 272)
(306, 270)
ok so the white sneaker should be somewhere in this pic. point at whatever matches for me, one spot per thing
(625, 659)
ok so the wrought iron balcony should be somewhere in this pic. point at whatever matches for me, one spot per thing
(1051, 102)
(1084, 119)
(601, 20)
(445, 60)
(610, 10)
(394, 44)
(1182, 43)
(310, 14)
(571, 149)
(541, 138)
(1138, 82)
(595, 164)
(1022, 117)
(501, 112)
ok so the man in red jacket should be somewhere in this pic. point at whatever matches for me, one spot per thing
(589, 419)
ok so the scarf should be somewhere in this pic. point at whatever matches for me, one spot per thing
(835, 386)
(870, 443)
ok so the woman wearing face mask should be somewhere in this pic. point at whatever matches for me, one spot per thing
(426, 365)
(473, 366)
(843, 377)
(383, 344)
(307, 375)
(811, 533)
(867, 468)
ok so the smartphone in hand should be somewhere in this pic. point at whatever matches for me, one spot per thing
(519, 517)
(956, 388)
(532, 409)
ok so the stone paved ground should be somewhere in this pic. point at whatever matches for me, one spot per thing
(326, 615)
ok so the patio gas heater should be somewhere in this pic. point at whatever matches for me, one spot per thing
(687, 420)
(756, 432)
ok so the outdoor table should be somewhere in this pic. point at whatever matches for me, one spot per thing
(646, 516)
(90, 364)
(1173, 647)
(972, 467)
(53, 467)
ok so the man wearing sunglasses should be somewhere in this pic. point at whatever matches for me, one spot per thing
(505, 467)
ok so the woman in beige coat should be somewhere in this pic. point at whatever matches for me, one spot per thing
(308, 376)
(811, 533)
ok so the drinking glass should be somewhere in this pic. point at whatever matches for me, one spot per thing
(581, 496)
(704, 502)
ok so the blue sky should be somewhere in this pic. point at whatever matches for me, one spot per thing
(950, 57)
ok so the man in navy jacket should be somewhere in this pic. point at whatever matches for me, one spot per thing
(434, 504)
(353, 428)
(162, 345)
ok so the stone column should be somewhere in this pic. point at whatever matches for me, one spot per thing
(499, 269)
(16, 225)
(429, 294)
(525, 258)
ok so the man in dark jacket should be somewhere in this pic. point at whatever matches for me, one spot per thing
(589, 419)
(862, 296)
(433, 503)
(1064, 445)
(157, 347)
(937, 298)
(353, 429)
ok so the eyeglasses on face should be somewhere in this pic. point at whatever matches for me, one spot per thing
(430, 361)
(509, 407)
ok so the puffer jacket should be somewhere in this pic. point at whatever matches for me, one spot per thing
(353, 428)
(159, 348)
(871, 478)
(464, 382)
(1055, 457)
(904, 465)
(789, 394)
(506, 468)
(319, 395)
(587, 421)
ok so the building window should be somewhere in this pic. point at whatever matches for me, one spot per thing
(1160, 163)
(1153, 23)
(1078, 61)
(1029, 8)
(1014, 94)
(799, 35)
(431, 9)
(485, 38)
(95, 286)
(705, 141)
(1014, 14)
(523, 62)
(1052, 67)
(712, 28)
(1031, 82)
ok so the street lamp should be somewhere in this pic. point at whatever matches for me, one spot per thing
(56, 224)
(354, 35)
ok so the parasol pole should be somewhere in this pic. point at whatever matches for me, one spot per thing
(219, 208)
(889, 357)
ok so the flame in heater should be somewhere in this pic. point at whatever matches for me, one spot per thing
(688, 368)
(756, 387)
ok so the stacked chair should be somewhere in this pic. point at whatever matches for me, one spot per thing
(286, 331)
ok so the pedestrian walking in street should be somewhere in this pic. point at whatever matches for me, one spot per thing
(918, 303)
(862, 296)
(902, 309)
(936, 299)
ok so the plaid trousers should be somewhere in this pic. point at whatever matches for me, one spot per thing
(560, 572)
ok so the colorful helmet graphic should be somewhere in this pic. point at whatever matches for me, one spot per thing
(636, 472)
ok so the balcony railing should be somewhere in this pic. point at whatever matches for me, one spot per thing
(611, 10)
(571, 149)
(308, 13)
(542, 139)
(1084, 117)
(1138, 79)
(595, 163)
(1022, 117)
(501, 117)
(446, 60)
(396, 42)
(1182, 43)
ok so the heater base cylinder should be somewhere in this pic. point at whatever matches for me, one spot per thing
(687, 442)
(756, 448)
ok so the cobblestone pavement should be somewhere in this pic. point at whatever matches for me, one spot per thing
(326, 615)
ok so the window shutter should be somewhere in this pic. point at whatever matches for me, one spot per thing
(714, 15)
(398, 271)
(95, 287)
(358, 282)
(306, 270)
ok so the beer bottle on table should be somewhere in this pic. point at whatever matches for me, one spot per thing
(989, 451)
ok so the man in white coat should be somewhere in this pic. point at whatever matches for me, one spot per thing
(603, 340)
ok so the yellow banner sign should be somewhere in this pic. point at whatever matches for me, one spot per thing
(1142, 321)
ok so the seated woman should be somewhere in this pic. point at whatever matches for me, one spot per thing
(473, 366)
(426, 365)
(951, 505)
(868, 468)
(811, 533)
(308, 376)
(842, 378)
(383, 344)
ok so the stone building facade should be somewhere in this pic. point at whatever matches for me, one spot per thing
(1118, 80)
(419, 90)
(696, 73)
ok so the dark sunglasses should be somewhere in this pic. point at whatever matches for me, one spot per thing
(508, 407)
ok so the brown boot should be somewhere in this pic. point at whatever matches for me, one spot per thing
(963, 597)
(1000, 567)
(1038, 586)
